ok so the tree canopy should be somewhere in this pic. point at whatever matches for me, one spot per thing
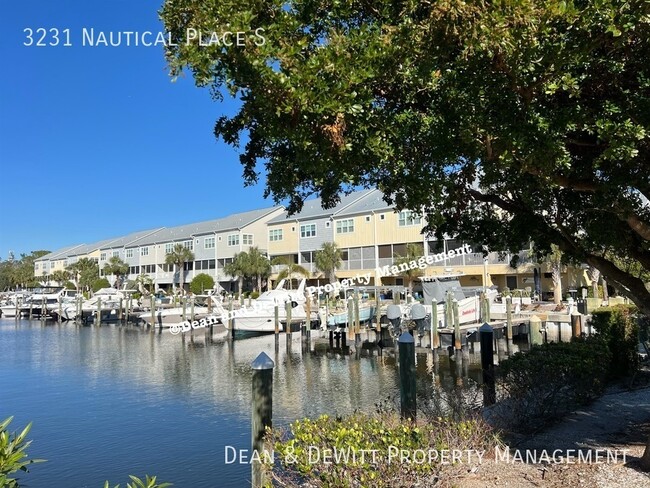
(501, 123)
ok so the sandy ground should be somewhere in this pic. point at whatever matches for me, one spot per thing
(618, 422)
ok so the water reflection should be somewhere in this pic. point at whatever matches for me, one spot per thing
(119, 369)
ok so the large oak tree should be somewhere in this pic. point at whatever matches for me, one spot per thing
(505, 121)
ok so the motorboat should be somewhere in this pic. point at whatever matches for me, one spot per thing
(173, 316)
(109, 299)
(260, 316)
(11, 304)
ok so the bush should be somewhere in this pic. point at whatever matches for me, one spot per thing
(100, 283)
(590, 292)
(12, 454)
(69, 285)
(551, 380)
(365, 447)
(619, 329)
(255, 294)
(201, 283)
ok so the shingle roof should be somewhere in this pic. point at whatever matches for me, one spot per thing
(312, 208)
(132, 238)
(230, 222)
(59, 253)
(373, 201)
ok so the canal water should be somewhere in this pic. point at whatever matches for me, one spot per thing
(110, 401)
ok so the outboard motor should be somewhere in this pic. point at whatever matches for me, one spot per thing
(394, 316)
(418, 315)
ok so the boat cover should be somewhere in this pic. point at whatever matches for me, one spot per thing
(437, 290)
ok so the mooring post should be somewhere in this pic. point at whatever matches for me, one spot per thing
(231, 321)
(306, 336)
(98, 317)
(43, 308)
(377, 315)
(458, 344)
(481, 307)
(407, 375)
(509, 324)
(357, 321)
(287, 313)
(17, 311)
(534, 330)
(576, 323)
(486, 334)
(262, 414)
(184, 301)
(192, 308)
(486, 308)
(59, 300)
(277, 322)
(119, 312)
(435, 338)
(152, 304)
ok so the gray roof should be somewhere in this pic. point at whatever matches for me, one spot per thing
(312, 209)
(131, 239)
(86, 248)
(58, 254)
(373, 201)
(230, 222)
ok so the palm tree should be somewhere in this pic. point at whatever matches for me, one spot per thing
(61, 276)
(290, 270)
(178, 257)
(239, 267)
(115, 266)
(413, 253)
(258, 265)
(143, 281)
(85, 271)
(328, 260)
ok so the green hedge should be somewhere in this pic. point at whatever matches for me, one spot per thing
(618, 327)
(551, 380)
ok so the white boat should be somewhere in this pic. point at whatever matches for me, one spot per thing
(11, 304)
(110, 304)
(436, 288)
(260, 317)
(173, 316)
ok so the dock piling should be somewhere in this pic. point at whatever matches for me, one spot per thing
(407, 375)
(486, 334)
(262, 413)
(534, 332)
(435, 337)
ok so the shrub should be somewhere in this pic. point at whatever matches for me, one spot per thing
(12, 454)
(618, 328)
(149, 482)
(201, 283)
(365, 447)
(69, 285)
(550, 380)
(255, 294)
(100, 283)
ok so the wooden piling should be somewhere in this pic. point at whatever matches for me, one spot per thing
(277, 322)
(509, 323)
(378, 313)
(576, 323)
(287, 313)
(98, 318)
(534, 332)
(59, 300)
(152, 301)
(262, 414)
(486, 334)
(407, 376)
(458, 345)
(231, 321)
(435, 337)
(119, 312)
(357, 321)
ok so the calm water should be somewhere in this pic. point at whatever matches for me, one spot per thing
(112, 401)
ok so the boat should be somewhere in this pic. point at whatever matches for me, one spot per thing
(437, 288)
(340, 317)
(260, 317)
(174, 316)
(111, 299)
(11, 304)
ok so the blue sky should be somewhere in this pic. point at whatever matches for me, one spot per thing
(97, 142)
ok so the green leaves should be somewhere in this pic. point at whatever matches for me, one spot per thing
(149, 482)
(12, 454)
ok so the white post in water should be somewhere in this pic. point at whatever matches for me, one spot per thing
(262, 413)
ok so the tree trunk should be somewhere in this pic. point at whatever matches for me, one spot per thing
(605, 293)
(240, 284)
(259, 283)
(594, 275)
(557, 285)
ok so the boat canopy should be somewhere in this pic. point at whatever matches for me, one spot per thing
(437, 289)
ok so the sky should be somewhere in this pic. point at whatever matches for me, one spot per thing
(97, 142)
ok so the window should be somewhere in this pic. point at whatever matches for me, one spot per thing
(247, 239)
(308, 230)
(275, 235)
(211, 264)
(208, 243)
(367, 218)
(382, 217)
(233, 240)
(345, 226)
(116, 254)
(129, 253)
(144, 251)
(102, 256)
(189, 266)
(189, 245)
(408, 217)
(169, 247)
(327, 224)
